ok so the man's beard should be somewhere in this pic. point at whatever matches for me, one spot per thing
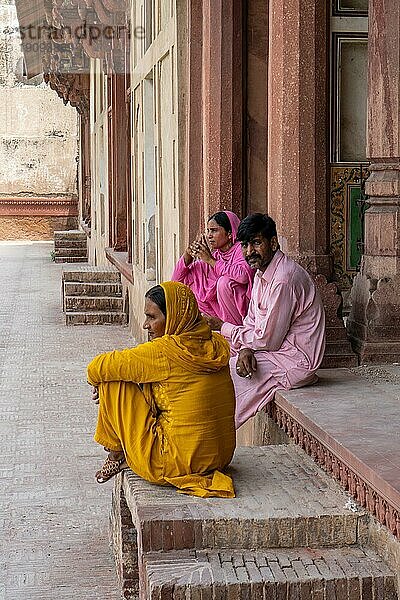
(253, 258)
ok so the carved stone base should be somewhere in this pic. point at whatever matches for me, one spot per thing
(338, 351)
(374, 321)
(374, 353)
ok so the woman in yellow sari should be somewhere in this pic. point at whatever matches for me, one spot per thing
(166, 407)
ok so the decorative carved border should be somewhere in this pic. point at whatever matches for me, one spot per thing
(361, 491)
(38, 206)
(342, 178)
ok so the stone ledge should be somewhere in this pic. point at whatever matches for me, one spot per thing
(92, 288)
(286, 509)
(95, 318)
(87, 273)
(70, 234)
(81, 303)
(70, 259)
(340, 424)
(120, 260)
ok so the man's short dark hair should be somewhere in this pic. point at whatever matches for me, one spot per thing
(254, 224)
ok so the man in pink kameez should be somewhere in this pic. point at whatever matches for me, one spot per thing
(282, 340)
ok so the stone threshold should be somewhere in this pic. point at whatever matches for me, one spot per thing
(347, 424)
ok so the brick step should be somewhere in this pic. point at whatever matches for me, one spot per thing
(67, 243)
(93, 303)
(285, 504)
(70, 252)
(95, 318)
(94, 288)
(283, 499)
(73, 234)
(301, 573)
(89, 274)
(70, 259)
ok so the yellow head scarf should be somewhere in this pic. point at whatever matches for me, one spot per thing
(188, 339)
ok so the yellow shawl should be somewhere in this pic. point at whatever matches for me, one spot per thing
(188, 339)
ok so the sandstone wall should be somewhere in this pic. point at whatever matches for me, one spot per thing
(34, 227)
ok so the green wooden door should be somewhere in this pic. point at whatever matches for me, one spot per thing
(349, 53)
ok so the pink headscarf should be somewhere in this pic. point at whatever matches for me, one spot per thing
(234, 221)
(232, 256)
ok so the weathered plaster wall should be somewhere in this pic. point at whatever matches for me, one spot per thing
(37, 142)
(38, 139)
(33, 228)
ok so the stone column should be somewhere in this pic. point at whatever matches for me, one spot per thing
(222, 105)
(190, 147)
(297, 142)
(374, 322)
(298, 106)
(210, 110)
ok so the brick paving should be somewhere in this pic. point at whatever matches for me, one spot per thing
(53, 515)
(334, 574)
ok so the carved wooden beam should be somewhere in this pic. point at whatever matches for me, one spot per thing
(115, 6)
(103, 14)
(78, 29)
(72, 88)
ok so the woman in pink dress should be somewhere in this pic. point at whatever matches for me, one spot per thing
(214, 268)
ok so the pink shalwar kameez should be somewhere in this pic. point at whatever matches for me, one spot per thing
(285, 325)
(223, 290)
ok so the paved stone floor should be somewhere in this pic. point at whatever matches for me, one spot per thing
(53, 515)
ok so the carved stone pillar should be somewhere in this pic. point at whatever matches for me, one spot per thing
(222, 105)
(374, 322)
(297, 143)
(298, 105)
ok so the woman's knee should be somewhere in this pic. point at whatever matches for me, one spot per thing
(117, 389)
(224, 286)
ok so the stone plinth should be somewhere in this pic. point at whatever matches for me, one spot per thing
(375, 318)
(338, 351)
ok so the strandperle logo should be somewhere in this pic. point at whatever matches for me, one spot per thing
(67, 34)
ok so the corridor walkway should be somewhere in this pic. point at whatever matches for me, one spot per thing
(53, 515)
